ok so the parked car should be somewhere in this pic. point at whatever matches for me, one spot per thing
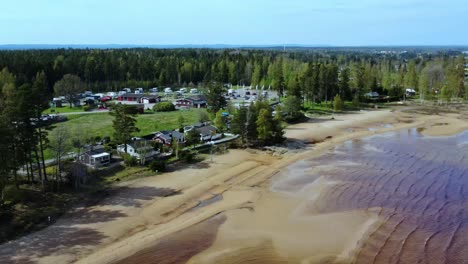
(183, 90)
(153, 90)
(106, 98)
(193, 91)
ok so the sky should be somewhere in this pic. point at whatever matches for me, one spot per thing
(246, 22)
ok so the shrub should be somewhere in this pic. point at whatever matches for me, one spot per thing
(187, 156)
(356, 101)
(129, 160)
(337, 104)
(158, 165)
(87, 108)
(164, 107)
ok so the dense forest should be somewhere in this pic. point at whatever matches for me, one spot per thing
(315, 75)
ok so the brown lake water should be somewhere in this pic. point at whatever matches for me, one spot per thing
(419, 186)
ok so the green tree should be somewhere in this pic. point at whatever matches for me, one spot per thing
(292, 108)
(203, 116)
(123, 124)
(220, 121)
(69, 86)
(215, 97)
(238, 123)
(264, 125)
(337, 104)
(446, 94)
(181, 121)
(192, 137)
(343, 84)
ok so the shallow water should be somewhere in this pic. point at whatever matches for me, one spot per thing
(418, 184)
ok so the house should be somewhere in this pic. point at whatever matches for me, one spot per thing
(58, 102)
(410, 92)
(95, 157)
(372, 95)
(139, 98)
(196, 101)
(139, 148)
(207, 132)
(150, 99)
(166, 137)
(183, 103)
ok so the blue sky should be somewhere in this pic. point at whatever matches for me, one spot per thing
(329, 22)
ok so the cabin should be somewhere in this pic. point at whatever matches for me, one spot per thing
(372, 95)
(139, 148)
(95, 157)
(139, 98)
(196, 101)
(166, 137)
(410, 92)
(183, 103)
(207, 132)
(58, 102)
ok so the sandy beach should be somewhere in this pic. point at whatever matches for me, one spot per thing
(242, 207)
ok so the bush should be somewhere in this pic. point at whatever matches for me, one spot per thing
(164, 107)
(129, 160)
(356, 101)
(187, 156)
(337, 104)
(87, 108)
(158, 165)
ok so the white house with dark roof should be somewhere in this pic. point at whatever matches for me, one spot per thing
(139, 148)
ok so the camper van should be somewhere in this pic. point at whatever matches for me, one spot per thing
(167, 91)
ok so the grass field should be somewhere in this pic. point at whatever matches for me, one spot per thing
(65, 109)
(100, 124)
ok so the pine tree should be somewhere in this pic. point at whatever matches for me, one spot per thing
(124, 124)
(220, 121)
(264, 125)
(215, 98)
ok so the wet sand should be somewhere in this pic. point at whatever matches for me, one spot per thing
(180, 246)
(271, 217)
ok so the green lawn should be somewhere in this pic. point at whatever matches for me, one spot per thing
(167, 120)
(100, 124)
(65, 109)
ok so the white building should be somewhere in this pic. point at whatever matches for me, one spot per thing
(139, 148)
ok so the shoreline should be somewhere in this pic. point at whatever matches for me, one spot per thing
(243, 178)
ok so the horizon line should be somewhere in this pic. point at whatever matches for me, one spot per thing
(237, 45)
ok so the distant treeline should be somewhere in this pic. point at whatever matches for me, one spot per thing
(314, 74)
